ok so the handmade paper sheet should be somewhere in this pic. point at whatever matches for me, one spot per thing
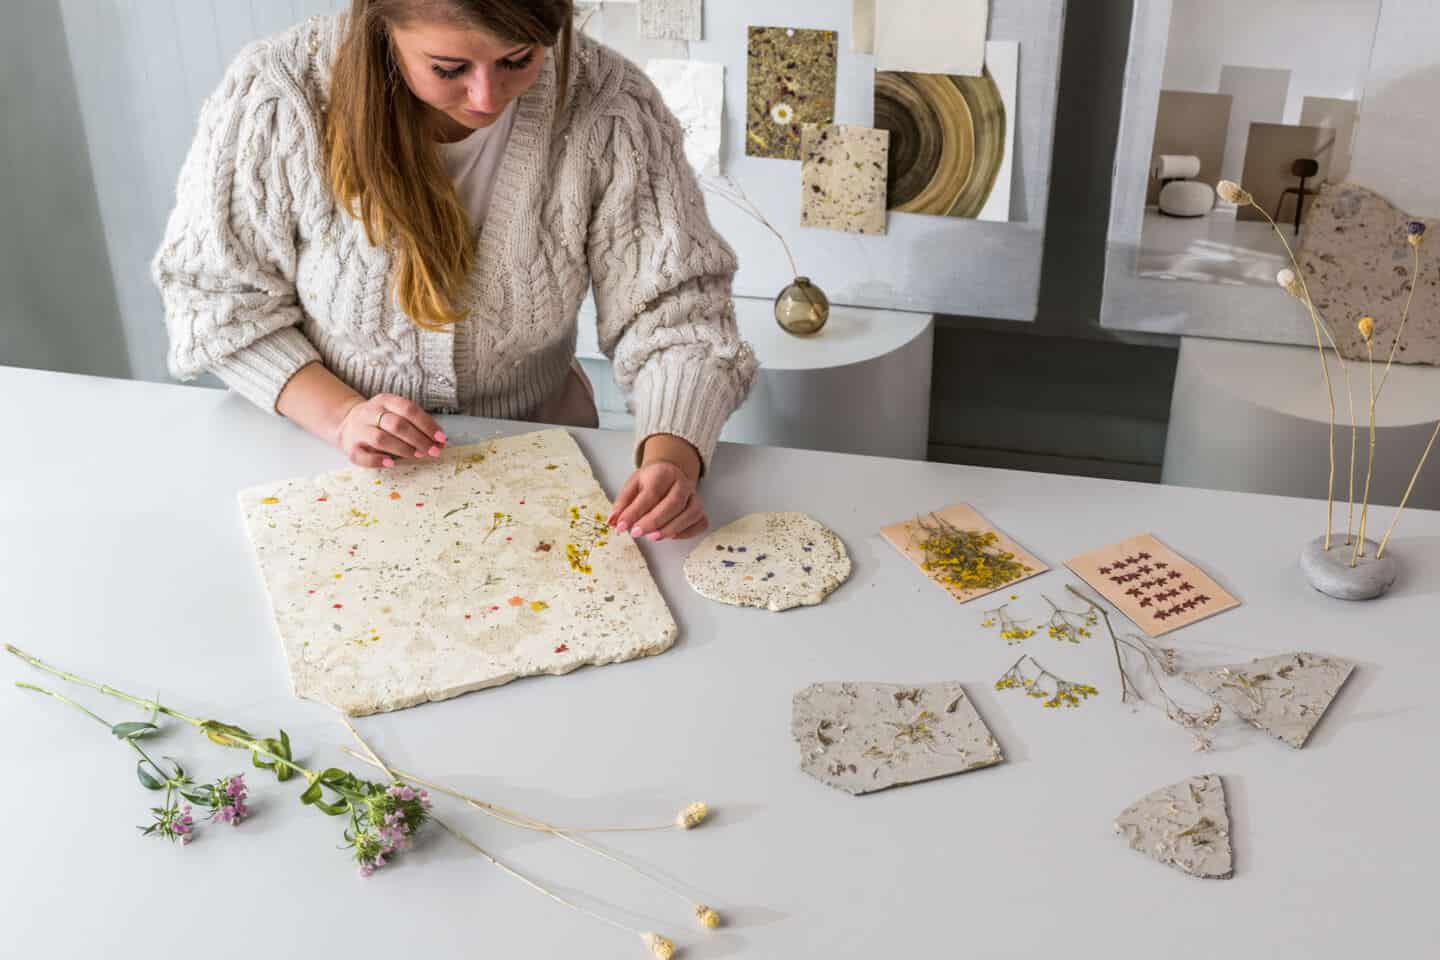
(862, 26)
(789, 81)
(842, 178)
(695, 92)
(923, 36)
(1358, 261)
(1151, 584)
(671, 19)
(863, 737)
(910, 539)
(1284, 695)
(1184, 825)
(616, 23)
(774, 561)
(438, 577)
(952, 139)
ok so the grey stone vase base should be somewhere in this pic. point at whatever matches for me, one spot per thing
(1330, 571)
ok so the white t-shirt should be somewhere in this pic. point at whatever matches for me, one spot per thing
(472, 164)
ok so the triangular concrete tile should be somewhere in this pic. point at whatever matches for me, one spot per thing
(1285, 695)
(1184, 825)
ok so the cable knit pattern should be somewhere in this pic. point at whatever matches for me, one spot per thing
(261, 273)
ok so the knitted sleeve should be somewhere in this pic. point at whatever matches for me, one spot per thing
(661, 276)
(226, 268)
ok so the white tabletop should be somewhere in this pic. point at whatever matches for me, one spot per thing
(851, 335)
(123, 557)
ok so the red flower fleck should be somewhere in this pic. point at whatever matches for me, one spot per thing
(337, 606)
(312, 591)
(467, 616)
(420, 504)
(562, 648)
(321, 499)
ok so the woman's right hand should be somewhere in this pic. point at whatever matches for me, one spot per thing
(386, 428)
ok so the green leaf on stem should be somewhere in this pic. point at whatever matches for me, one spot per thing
(333, 809)
(199, 793)
(224, 733)
(312, 793)
(133, 730)
(146, 780)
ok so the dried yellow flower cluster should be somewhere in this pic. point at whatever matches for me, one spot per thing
(708, 918)
(659, 946)
(591, 534)
(966, 559)
(1065, 694)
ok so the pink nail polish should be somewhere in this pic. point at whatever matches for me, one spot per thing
(655, 536)
(637, 533)
(388, 462)
(440, 435)
(434, 451)
(622, 526)
(419, 454)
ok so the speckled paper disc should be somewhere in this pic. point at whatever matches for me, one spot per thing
(774, 561)
(1184, 825)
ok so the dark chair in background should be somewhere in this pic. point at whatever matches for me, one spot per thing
(1304, 169)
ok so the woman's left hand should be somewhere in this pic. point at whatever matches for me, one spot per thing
(660, 500)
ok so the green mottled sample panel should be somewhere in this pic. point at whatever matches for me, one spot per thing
(790, 81)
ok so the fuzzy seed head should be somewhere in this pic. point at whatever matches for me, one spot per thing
(1367, 327)
(693, 815)
(708, 918)
(660, 947)
(1232, 192)
(1289, 283)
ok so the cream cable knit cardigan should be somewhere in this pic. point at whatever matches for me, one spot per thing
(261, 273)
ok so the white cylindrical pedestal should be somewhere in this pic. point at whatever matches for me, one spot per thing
(1254, 417)
(860, 385)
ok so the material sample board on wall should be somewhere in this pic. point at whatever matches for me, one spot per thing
(923, 263)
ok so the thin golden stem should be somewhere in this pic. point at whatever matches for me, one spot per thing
(374, 758)
(1359, 550)
(1408, 490)
(1319, 326)
(532, 884)
(1404, 317)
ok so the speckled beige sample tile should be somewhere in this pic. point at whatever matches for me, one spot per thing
(1285, 695)
(789, 81)
(774, 561)
(863, 737)
(671, 19)
(443, 576)
(1184, 825)
(1151, 584)
(842, 177)
(1357, 261)
(909, 538)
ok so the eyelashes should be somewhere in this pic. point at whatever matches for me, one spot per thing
(452, 73)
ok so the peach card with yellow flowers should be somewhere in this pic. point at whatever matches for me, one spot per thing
(962, 552)
(1152, 585)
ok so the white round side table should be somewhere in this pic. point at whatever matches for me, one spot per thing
(860, 385)
(1254, 417)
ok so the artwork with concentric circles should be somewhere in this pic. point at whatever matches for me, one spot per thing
(951, 138)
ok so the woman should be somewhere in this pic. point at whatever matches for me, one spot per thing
(400, 209)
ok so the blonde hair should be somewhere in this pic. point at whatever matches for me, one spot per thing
(383, 166)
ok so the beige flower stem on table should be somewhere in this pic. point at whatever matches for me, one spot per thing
(658, 945)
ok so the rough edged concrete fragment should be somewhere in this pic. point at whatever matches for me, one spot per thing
(1184, 825)
(863, 737)
(1285, 695)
